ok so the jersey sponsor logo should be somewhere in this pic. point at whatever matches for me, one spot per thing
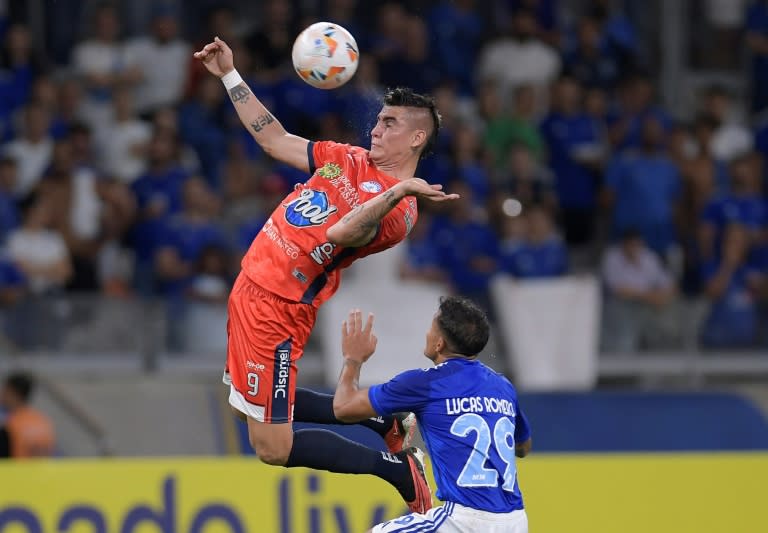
(290, 249)
(310, 208)
(283, 368)
(371, 186)
(255, 366)
(329, 171)
(346, 190)
(323, 253)
(299, 275)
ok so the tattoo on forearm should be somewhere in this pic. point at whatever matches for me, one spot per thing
(389, 196)
(352, 214)
(240, 94)
(367, 222)
(262, 121)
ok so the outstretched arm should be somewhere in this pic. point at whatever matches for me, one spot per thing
(350, 404)
(264, 127)
(358, 228)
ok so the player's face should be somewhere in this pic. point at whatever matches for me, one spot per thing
(393, 135)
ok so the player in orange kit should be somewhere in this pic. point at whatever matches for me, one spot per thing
(356, 202)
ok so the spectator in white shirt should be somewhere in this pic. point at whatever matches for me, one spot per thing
(731, 138)
(640, 293)
(103, 63)
(32, 150)
(164, 61)
(520, 58)
(71, 192)
(123, 143)
(39, 252)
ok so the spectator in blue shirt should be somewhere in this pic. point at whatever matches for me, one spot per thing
(590, 62)
(575, 154)
(743, 205)
(526, 180)
(201, 125)
(468, 165)
(731, 285)
(545, 14)
(618, 31)
(467, 247)
(635, 103)
(596, 104)
(387, 42)
(158, 195)
(273, 38)
(414, 67)
(421, 261)
(542, 254)
(181, 243)
(457, 32)
(300, 104)
(247, 199)
(185, 235)
(17, 70)
(643, 187)
(757, 41)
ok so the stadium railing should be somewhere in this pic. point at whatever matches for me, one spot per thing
(85, 331)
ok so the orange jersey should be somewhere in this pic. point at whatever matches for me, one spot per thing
(31, 433)
(291, 256)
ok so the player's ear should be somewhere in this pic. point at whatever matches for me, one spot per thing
(418, 139)
(439, 344)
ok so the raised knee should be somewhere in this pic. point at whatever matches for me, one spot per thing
(271, 453)
(272, 456)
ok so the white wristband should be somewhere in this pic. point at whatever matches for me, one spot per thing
(231, 79)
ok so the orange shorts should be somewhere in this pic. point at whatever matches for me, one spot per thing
(266, 336)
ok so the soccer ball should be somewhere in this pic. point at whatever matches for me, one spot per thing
(325, 55)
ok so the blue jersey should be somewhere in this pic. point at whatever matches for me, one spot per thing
(470, 421)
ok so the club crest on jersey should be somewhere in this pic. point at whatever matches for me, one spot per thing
(310, 208)
(371, 186)
(329, 171)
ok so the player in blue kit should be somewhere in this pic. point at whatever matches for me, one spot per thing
(469, 417)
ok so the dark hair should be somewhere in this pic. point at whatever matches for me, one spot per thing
(706, 120)
(78, 128)
(463, 324)
(21, 384)
(405, 97)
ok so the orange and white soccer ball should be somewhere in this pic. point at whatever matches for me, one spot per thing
(325, 55)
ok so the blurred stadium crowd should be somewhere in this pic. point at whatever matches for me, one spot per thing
(124, 170)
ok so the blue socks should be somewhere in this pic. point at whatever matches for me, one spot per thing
(317, 408)
(321, 449)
